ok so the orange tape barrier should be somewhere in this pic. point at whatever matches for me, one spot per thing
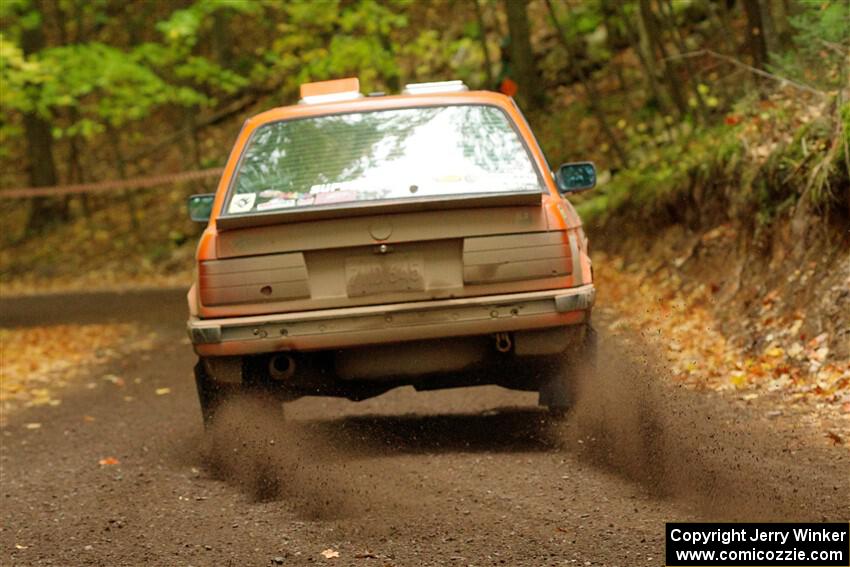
(134, 183)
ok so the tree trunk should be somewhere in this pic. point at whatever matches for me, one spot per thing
(222, 43)
(720, 21)
(648, 64)
(196, 160)
(121, 165)
(608, 12)
(651, 38)
(42, 167)
(755, 33)
(522, 58)
(482, 35)
(681, 47)
(781, 26)
(771, 42)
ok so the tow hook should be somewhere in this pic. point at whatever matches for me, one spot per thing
(503, 342)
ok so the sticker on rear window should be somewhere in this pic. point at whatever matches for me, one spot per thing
(335, 197)
(242, 203)
(276, 204)
(334, 187)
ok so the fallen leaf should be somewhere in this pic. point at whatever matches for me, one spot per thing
(163, 391)
(117, 380)
(109, 461)
(775, 352)
(33, 425)
(771, 297)
(330, 554)
(738, 379)
(820, 354)
(88, 418)
(19, 546)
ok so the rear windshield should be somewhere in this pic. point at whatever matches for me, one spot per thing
(381, 156)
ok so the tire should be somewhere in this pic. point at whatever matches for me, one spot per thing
(559, 389)
(212, 393)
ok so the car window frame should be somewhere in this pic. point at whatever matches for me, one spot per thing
(231, 184)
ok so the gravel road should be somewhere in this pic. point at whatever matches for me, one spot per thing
(475, 476)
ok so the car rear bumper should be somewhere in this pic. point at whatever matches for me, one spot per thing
(381, 324)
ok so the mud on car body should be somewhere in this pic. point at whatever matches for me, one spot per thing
(360, 243)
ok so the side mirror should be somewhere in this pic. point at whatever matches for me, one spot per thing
(575, 177)
(200, 207)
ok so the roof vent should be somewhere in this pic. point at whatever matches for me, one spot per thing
(330, 91)
(434, 88)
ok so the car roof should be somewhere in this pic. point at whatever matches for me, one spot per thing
(383, 102)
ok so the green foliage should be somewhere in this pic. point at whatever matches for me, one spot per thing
(184, 27)
(664, 174)
(581, 21)
(324, 40)
(583, 27)
(821, 44)
(104, 85)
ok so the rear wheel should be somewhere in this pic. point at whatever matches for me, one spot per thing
(212, 393)
(558, 391)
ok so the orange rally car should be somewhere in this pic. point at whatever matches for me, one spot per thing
(359, 243)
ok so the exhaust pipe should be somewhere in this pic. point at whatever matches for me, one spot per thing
(503, 342)
(281, 367)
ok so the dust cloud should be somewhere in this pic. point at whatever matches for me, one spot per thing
(700, 448)
(251, 446)
(631, 418)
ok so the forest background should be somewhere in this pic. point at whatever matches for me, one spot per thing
(663, 94)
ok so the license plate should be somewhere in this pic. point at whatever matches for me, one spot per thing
(381, 274)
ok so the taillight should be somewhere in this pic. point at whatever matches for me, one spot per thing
(511, 257)
(274, 277)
